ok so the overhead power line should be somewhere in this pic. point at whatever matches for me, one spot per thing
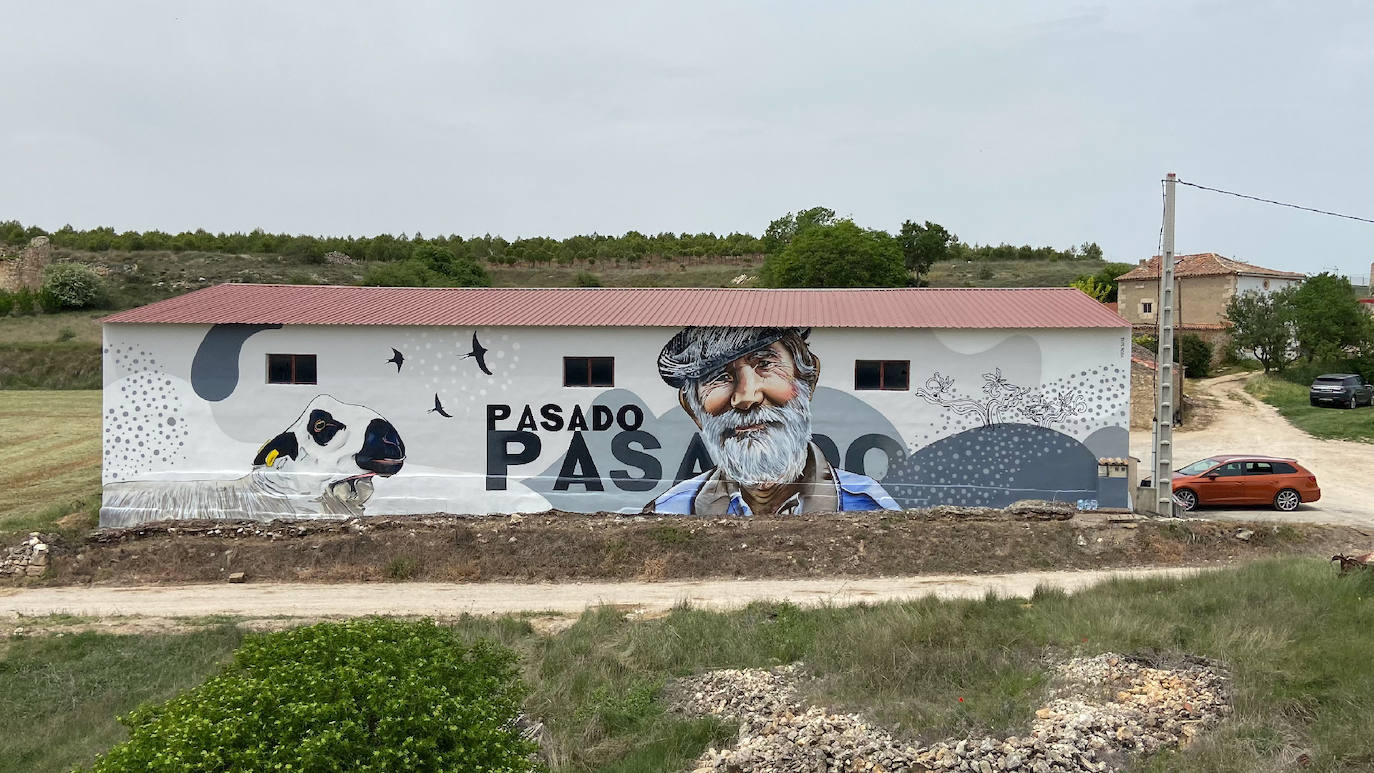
(1279, 203)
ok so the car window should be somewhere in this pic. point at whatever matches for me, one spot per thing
(1229, 469)
(1327, 380)
(1259, 468)
(1198, 467)
(1284, 468)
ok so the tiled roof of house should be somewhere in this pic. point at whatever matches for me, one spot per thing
(1058, 307)
(1205, 264)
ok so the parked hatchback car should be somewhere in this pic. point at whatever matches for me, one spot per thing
(1343, 389)
(1245, 480)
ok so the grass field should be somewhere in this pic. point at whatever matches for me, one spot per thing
(52, 450)
(1295, 636)
(1322, 422)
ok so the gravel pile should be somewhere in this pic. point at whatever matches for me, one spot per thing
(1100, 710)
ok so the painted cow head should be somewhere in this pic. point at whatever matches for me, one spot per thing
(332, 451)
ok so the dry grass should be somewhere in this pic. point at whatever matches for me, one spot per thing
(52, 450)
(47, 328)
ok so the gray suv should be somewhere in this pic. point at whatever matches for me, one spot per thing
(1344, 389)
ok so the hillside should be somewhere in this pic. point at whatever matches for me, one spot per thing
(136, 278)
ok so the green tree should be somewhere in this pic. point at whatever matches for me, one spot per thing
(1327, 318)
(840, 254)
(1195, 354)
(924, 245)
(782, 231)
(1261, 326)
(1093, 287)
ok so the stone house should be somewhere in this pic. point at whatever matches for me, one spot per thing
(1204, 283)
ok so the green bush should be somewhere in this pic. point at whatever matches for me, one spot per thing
(588, 279)
(1195, 354)
(6, 303)
(1190, 350)
(363, 695)
(24, 301)
(71, 286)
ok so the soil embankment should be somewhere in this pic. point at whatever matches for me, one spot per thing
(561, 547)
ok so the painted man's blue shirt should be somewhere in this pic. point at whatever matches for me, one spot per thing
(823, 488)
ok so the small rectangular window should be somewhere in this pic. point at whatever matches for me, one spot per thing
(1147, 308)
(291, 369)
(1283, 468)
(588, 371)
(894, 375)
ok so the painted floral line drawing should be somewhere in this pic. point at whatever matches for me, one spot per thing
(1002, 400)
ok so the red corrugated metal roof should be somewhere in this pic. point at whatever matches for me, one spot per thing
(641, 307)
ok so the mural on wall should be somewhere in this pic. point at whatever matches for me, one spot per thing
(749, 390)
(322, 465)
(724, 421)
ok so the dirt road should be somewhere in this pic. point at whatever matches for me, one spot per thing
(1243, 425)
(451, 599)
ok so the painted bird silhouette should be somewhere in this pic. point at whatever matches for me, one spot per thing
(397, 358)
(439, 408)
(478, 353)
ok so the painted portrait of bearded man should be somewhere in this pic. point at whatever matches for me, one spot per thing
(749, 389)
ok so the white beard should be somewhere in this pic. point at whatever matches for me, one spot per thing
(774, 454)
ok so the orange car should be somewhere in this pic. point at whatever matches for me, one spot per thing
(1245, 480)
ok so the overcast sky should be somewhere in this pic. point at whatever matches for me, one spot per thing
(1040, 123)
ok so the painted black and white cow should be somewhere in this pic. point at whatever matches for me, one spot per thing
(321, 466)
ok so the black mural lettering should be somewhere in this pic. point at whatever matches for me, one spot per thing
(527, 420)
(829, 450)
(854, 457)
(578, 420)
(579, 469)
(500, 458)
(633, 411)
(623, 451)
(602, 418)
(496, 412)
(695, 461)
(553, 417)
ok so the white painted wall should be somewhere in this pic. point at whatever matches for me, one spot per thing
(158, 429)
(1256, 283)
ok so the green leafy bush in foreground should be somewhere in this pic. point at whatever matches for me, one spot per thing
(365, 695)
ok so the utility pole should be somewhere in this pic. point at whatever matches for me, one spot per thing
(1164, 365)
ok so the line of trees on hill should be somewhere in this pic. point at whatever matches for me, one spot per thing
(922, 244)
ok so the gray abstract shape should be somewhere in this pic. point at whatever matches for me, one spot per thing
(215, 368)
(1109, 442)
(994, 466)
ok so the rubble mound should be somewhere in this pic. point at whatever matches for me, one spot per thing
(1100, 709)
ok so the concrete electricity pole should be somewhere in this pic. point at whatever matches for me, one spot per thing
(1164, 364)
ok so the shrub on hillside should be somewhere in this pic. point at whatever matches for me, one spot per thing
(364, 695)
(6, 303)
(71, 286)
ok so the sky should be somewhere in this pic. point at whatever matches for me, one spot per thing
(1044, 123)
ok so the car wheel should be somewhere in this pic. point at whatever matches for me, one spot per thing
(1187, 499)
(1313, 402)
(1287, 500)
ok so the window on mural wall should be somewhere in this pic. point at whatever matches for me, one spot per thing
(291, 369)
(589, 371)
(882, 374)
